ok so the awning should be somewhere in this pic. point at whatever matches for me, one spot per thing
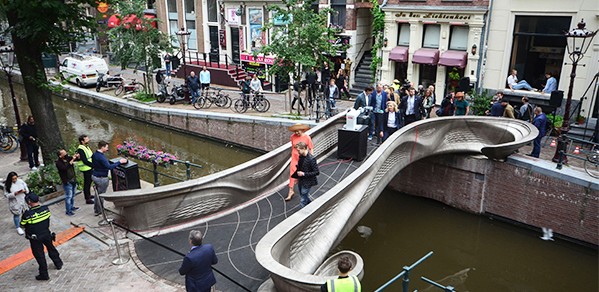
(426, 56)
(399, 54)
(454, 59)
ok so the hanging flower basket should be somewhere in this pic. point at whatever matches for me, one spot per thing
(131, 149)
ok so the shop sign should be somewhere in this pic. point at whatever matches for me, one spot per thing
(222, 36)
(232, 16)
(257, 69)
(258, 59)
(433, 15)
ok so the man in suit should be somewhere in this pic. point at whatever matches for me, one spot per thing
(378, 101)
(311, 79)
(363, 99)
(412, 108)
(197, 264)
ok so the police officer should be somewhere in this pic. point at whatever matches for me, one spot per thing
(36, 222)
(345, 282)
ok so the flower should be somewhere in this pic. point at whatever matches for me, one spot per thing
(131, 149)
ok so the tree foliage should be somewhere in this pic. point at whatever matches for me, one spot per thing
(378, 28)
(38, 26)
(136, 42)
(304, 40)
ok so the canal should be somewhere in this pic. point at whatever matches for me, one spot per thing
(471, 253)
(76, 119)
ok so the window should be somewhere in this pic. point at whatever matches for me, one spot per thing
(403, 34)
(189, 6)
(172, 6)
(459, 38)
(339, 14)
(212, 11)
(538, 47)
(431, 36)
(428, 75)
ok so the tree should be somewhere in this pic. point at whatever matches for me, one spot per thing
(38, 26)
(304, 40)
(136, 42)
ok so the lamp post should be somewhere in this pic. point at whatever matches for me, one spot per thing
(183, 37)
(7, 59)
(579, 40)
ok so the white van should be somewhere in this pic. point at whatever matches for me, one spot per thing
(82, 69)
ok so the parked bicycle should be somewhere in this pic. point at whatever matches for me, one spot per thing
(591, 164)
(209, 96)
(131, 87)
(255, 100)
(8, 141)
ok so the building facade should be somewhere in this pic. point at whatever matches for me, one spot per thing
(229, 31)
(528, 36)
(433, 42)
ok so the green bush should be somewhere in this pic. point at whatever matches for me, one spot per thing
(480, 103)
(44, 181)
(557, 121)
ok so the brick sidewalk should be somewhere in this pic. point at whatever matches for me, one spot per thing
(87, 260)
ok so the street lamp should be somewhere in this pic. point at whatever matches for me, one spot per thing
(579, 40)
(183, 36)
(7, 60)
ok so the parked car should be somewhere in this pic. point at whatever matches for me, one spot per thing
(82, 69)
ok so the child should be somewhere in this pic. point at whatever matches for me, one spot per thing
(307, 171)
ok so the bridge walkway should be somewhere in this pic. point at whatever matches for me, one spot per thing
(236, 235)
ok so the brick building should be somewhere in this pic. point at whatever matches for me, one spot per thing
(429, 39)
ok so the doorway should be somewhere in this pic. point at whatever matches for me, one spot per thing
(214, 52)
(235, 45)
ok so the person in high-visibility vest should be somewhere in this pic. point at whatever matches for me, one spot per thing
(85, 166)
(345, 282)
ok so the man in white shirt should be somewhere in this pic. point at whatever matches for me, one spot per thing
(204, 78)
(514, 84)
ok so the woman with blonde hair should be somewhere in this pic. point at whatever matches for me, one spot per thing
(391, 120)
(298, 135)
(427, 102)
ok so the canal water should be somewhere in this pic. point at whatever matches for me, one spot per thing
(471, 253)
(76, 119)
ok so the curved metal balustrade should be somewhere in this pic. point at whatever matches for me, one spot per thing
(187, 203)
(294, 249)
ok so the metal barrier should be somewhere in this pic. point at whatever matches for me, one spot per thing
(156, 173)
(405, 274)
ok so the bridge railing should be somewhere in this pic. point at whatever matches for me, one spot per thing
(295, 248)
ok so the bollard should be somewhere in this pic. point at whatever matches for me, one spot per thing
(155, 171)
(119, 260)
(188, 169)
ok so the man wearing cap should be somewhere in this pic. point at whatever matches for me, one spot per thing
(36, 222)
(396, 86)
(508, 110)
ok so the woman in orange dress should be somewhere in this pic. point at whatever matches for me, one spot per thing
(298, 135)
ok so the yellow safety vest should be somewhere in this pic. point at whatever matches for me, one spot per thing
(88, 155)
(349, 284)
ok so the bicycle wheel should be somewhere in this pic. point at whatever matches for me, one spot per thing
(220, 100)
(261, 105)
(139, 87)
(118, 90)
(591, 165)
(9, 143)
(241, 106)
(209, 100)
(200, 102)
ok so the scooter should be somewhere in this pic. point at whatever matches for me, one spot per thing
(105, 80)
(162, 95)
(178, 93)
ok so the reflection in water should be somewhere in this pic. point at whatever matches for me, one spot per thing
(471, 253)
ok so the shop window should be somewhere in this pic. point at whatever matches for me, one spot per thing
(538, 47)
(401, 71)
(428, 75)
(459, 38)
(403, 34)
(431, 36)
(212, 11)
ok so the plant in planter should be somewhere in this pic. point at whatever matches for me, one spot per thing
(44, 181)
(580, 119)
(454, 78)
(557, 121)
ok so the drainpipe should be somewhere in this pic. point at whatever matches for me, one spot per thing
(484, 46)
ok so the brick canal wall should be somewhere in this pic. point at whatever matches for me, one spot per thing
(515, 190)
(263, 134)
